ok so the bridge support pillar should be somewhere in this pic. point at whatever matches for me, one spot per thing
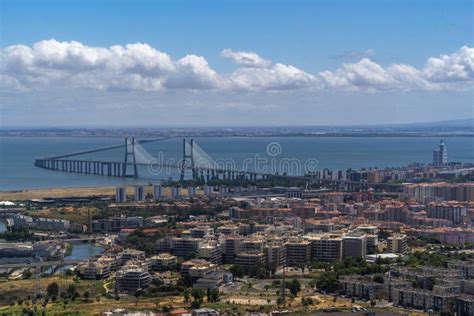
(130, 152)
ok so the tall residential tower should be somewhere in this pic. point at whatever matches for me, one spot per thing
(440, 155)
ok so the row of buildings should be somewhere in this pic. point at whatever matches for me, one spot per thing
(276, 245)
(445, 291)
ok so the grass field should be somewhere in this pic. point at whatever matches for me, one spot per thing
(56, 192)
(234, 302)
(73, 214)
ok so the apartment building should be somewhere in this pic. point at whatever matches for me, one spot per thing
(361, 288)
(93, 270)
(210, 251)
(397, 244)
(197, 268)
(230, 248)
(453, 212)
(354, 246)
(325, 247)
(298, 252)
(275, 254)
(132, 277)
(250, 260)
(163, 262)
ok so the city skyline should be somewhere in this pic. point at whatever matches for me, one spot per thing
(214, 64)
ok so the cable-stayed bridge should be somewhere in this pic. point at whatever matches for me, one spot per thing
(194, 158)
(194, 161)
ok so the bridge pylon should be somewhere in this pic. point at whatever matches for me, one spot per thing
(130, 154)
(188, 160)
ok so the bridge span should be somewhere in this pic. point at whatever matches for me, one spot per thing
(194, 159)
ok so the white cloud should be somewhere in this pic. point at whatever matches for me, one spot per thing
(70, 65)
(455, 71)
(458, 66)
(193, 72)
(277, 77)
(246, 59)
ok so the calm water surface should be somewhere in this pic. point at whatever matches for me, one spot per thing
(17, 155)
(84, 251)
(3, 227)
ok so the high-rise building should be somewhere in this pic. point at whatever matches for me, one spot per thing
(175, 192)
(397, 244)
(139, 193)
(354, 246)
(120, 195)
(132, 278)
(450, 211)
(440, 155)
(207, 190)
(298, 252)
(325, 247)
(191, 192)
(157, 192)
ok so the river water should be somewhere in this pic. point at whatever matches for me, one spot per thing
(17, 155)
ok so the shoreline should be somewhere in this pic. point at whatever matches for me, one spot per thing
(315, 135)
(72, 192)
(27, 194)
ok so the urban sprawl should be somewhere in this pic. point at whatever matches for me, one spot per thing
(254, 248)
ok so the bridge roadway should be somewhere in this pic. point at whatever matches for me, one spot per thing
(115, 169)
(119, 169)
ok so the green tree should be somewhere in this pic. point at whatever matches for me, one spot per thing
(237, 271)
(378, 278)
(52, 289)
(72, 291)
(294, 286)
(186, 295)
(327, 282)
(198, 295)
(213, 295)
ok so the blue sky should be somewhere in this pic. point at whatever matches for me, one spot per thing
(311, 36)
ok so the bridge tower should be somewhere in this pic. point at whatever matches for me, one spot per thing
(130, 154)
(188, 160)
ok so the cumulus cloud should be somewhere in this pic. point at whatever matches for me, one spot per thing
(454, 71)
(458, 66)
(246, 59)
(276, 77)
(139, 67)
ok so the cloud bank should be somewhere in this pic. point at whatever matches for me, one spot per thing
(139, 67)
